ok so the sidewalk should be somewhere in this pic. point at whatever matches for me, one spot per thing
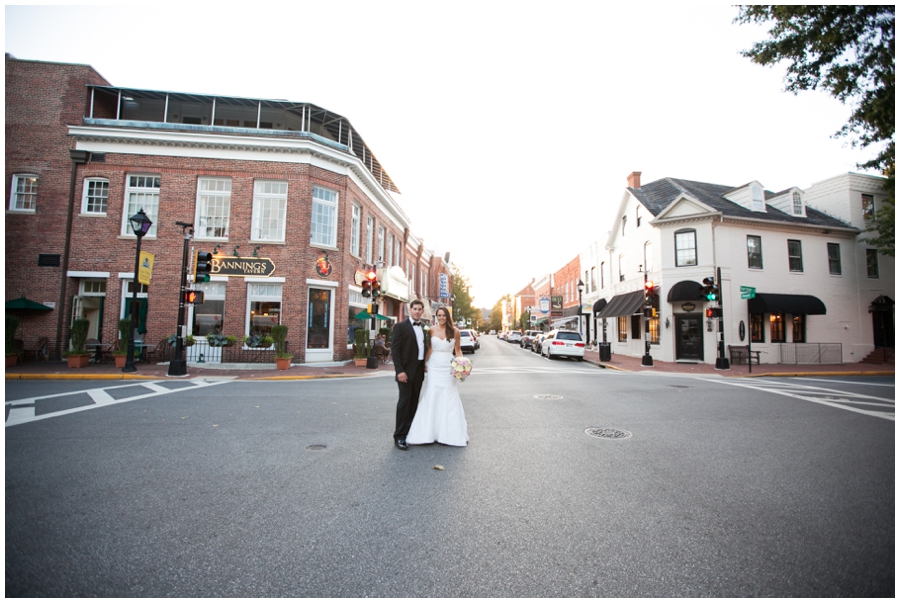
(619, 362)
(633, 364)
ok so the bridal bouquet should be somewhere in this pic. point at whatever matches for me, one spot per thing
(461, 368)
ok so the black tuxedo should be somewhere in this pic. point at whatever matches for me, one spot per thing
(405, 356)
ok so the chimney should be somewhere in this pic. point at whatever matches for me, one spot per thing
(634, 180)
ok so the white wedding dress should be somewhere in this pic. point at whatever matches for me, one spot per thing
(439, 416)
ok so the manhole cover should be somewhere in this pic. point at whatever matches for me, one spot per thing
(548, 397)
(316, 447)
(608, 434)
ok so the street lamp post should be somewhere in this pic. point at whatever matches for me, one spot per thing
(581, 322)
(140, 224)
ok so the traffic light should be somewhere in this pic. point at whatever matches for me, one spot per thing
(369, 309)
(710, 289)
(202, 266)
(648, 288)
(376, 286)
(714, 312)
(193, 297)
(366, 289)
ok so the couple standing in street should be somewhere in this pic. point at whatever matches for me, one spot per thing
(415, 350)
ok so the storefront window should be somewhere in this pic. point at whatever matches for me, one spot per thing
(623, 328)
(777, 327)
(756, 328)
(319, 320)
(208, 316)
(653, 329)
(799, 331)
(265, 308)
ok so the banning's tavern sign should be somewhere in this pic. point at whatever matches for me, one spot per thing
(225, 266)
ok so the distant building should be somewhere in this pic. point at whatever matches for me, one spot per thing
(821, 292)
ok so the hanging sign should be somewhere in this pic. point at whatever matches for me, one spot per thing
(545, 304)
(145, 268)
(323, 266)
(445, 290)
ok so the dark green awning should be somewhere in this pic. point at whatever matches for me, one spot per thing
(781, 303)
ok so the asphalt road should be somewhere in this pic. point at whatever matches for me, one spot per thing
(295, 489)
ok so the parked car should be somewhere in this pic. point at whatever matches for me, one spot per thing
(467, 340)
(527, 338)
(493, 332)
(536, 343)
(563, 343)
(514, 337)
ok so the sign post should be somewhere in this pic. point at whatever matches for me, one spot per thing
(749, 293)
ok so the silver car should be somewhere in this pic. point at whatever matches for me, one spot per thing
(467, 341)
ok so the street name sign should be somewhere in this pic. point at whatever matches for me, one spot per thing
(748, 292)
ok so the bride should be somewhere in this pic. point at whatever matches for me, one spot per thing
(440, 417)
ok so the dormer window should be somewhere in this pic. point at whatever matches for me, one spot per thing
(757, 204)
(797, 204)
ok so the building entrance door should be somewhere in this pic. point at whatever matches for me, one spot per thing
(689, 337)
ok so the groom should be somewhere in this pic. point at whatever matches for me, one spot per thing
(408, 355)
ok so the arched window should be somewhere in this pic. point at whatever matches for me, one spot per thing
(798, 204)
(648, 256)
(757, 198)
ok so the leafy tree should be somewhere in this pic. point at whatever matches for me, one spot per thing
(462, 303)
(848, 51)
(497, 315)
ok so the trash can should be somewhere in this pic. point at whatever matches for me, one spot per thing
(605, 352)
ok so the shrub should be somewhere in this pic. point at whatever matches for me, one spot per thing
(362, 343)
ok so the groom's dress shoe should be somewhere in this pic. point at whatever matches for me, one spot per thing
(401, 444)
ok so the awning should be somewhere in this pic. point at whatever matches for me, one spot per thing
(598, 306)
(364, 315)
(23, 303)
(779, 303)
(686, 291)
(563, 321)
(623, 305)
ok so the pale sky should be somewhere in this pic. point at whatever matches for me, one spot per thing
(510, 127)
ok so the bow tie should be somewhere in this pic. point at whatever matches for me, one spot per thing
(417, 324)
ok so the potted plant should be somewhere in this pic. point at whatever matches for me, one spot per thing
(12, 351)
(78, 356)
(218, 340)
(282, 357)
(361, 349)
(188, 341)
(257, 341)
(121, 352)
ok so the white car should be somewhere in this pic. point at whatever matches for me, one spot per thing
(467, 341)
(563, 343)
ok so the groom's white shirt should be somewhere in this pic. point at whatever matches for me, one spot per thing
(420, 338)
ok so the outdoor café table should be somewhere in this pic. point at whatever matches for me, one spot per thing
(99, 349)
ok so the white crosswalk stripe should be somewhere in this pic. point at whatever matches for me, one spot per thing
(874, 406)
(25, 410)
(549, 370)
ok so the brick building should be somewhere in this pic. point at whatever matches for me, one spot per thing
(291, 182)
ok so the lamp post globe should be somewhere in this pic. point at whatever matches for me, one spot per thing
(140, 224)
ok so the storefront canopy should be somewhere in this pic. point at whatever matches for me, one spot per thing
(625, 304)
(598, 306)
(779, 303)
(686, 291)
(23, 303)
(563, 321)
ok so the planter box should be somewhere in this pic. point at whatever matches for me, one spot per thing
(11, 359)
(360, 361)
(120, 361)
(78, 361)
(283, 364)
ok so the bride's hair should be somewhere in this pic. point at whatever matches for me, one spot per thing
(449, 329)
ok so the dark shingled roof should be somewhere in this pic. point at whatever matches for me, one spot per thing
(657, 195)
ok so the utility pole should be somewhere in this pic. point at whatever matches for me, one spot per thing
(178, 365)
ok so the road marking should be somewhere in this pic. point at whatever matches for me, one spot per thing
(23, 411)
(846, 382)
(820, 395)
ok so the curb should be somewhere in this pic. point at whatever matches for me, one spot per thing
(101, 377)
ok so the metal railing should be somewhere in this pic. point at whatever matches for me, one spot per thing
(811, 353)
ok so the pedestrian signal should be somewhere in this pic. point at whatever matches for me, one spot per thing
(202, 266)
(193, 297)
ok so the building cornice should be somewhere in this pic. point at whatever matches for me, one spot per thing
(212, 145)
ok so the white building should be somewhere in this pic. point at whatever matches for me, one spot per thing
(821, 293)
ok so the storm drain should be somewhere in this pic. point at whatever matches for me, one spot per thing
(316, 447)
(607, 433)
(547, 397)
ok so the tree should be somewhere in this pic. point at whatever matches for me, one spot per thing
(497, 315)
(848, 51)
(463, 310)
